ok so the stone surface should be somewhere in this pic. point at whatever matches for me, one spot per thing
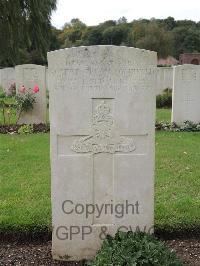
(47, 78)
(7, 77)
(164, 79)
(30, 75)
(186, 94)
(102, 108)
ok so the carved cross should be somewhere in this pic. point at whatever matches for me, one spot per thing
(102, 145)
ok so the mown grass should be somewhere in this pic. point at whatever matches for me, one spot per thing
(163, 114)
(177, 185)
(10, 113)
(25, 182)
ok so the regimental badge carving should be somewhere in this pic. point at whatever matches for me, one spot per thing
(103, 139)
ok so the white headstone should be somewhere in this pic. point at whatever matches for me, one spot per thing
(164, 79)
(186, 94)
(29, 76)
(102, 106)
(7, 78)
(47, 78)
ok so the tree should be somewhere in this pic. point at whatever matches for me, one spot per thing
(114, 35)
(93, 36)
(165, 36)
(24, 25)
(170, 23)
(122, 20)
(192, 40)
(186, 39)
(156, 39)
(72, 33)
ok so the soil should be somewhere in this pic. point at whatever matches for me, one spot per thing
(13, 129)
(34, 253)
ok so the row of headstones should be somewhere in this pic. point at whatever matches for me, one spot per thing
(102, 110)
(164, 78)
(184, 80)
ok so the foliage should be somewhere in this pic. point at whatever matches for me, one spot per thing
(25, 129)
(2, 93)
(28, 35)
(25, 99)
(72, 33)
(134, 249)
(187, 126)
(3, 109)
(186, 39)
(165, 99)
(24, 28)
(156, 39)
(14, 128)
(8, 110)
(165, 36)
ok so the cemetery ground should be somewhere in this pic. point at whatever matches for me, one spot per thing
(25, 196)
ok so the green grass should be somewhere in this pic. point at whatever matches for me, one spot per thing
(10, 112)
(177, 180)
(25, 182)
(163, 115)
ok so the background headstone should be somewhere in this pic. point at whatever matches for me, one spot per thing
(30, 75)
(164, 79)
(102, 105)
(7, 77)
(186, 94)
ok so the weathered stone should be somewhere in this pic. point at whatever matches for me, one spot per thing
(186, 94)
(164, 79)
(30, 75)
(7, 78)
(102, 108)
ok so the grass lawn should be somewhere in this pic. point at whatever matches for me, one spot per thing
(163, 115)
(25, 181)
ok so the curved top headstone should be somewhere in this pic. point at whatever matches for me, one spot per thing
(186, 94)
(30, 75)
(102, 115)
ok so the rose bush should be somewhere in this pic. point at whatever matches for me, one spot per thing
(25, 99)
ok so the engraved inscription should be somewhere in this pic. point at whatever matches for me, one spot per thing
(30, 75)
(82, 78)
(103, 139)
(189, 74)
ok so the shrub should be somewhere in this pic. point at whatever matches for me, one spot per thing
(165, 99)
(25, 99)
(25, 129)
(2, 93)
(3, 110)
(187, 126)
(134, 249)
